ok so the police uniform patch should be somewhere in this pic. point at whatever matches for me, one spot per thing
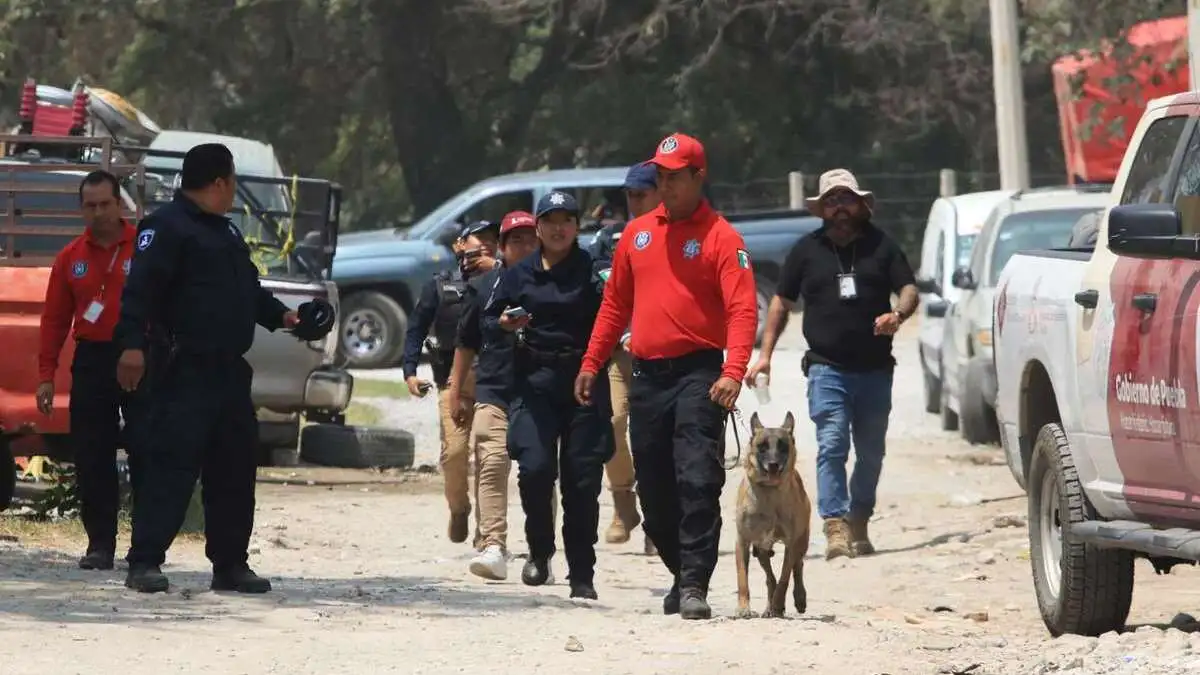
(79, 269)
(743, 257)
(126, 266)
(605, 273)
(691, 249)
(642, 240)
(145, 238)
(669, 145)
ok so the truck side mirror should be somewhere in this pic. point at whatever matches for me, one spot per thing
(962, 278)
(1145, 229)
(928, 285)
(937, 309)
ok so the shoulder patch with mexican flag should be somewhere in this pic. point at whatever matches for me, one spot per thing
(743, 257)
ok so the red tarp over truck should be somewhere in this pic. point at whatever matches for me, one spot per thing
(1093, 142)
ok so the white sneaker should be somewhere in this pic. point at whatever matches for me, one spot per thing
(492, 564)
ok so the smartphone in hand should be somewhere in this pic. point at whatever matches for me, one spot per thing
(516, 312)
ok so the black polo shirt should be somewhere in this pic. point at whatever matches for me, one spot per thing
(841, 332)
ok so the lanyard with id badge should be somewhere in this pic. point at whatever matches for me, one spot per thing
(96, 308)
(847, 285)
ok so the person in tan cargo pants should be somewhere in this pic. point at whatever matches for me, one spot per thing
(492, 374)
(438, 311)
(641, 197)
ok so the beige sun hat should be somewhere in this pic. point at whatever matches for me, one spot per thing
(838, 179)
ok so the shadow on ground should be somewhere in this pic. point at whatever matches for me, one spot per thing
(47, 586)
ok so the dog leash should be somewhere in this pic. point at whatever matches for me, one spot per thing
(736, 416)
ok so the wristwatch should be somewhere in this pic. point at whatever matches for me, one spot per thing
(900, 315)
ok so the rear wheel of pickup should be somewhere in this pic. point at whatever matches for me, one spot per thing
(979, 423)
(352, 447)
(372, 330)
(933, 393)
(949, 417)
(1081, 589)
(8, 476)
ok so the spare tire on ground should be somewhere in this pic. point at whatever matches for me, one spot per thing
(353, 447)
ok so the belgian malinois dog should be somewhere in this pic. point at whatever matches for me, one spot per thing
(772, 506)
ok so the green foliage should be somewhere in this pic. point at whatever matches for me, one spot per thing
(61, 499)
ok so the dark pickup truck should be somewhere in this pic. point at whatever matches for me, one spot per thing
(379, 273)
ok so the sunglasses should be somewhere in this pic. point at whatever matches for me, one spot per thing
(840, 198)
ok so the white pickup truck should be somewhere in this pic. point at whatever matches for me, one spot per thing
(1096, 357)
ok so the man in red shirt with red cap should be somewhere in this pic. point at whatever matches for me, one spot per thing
(682, 275)
(83, 298)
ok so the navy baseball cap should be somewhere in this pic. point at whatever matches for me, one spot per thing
(556, 201)
(477, 227)
(643, 176)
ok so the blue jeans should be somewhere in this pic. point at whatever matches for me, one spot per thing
(847, 405)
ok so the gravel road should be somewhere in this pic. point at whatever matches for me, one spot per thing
(366, 582)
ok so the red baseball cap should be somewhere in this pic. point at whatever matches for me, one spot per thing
(679, 151)
(515, 220)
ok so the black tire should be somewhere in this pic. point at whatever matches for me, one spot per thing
(1095, 585)
(8, 476)
(357, 447)
(949, 417)
(765, 291)
(979, 424)
(933, 393)
(386, 318)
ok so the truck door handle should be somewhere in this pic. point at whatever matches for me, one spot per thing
(1087, 299)
(1147, 302)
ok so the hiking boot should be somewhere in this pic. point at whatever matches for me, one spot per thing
(625, 517)
(860, 542)
(490, 564)
(650, 548)
(693, 605)
(96, 560)
(537, 573)
(671, 600)
(584, 590)
(459, 527)
(146, 579)
(837, 539)
(239, 579)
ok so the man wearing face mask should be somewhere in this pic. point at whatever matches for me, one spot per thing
(847, 272)
(438, 311)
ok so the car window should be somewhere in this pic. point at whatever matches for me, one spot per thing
(939, 264)
(1085, 231)
(964, 247)
(598, 206)
(1187, 188)
(1032, 230)
(1146, 182)
(978, 255)
(494, 207)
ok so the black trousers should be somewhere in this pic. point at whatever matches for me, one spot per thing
(97, 406)
(202, 425)
(549, 432)
(675, 436)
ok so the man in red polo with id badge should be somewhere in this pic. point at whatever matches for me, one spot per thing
(83, 298)
(681, 273)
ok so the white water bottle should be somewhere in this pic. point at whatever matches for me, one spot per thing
(761, 389)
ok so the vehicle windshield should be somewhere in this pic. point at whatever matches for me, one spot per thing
(430, 225)
(1032, 230)
(962, 256)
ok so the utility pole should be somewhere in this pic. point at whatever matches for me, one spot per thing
(1193, 39)
(1012, 145)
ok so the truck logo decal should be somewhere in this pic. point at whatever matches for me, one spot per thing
(1001, 309)
(642, 240)
(79, 269)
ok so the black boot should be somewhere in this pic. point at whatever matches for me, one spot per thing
(584, 590)
(146, 579)
(693, 605)
(671, 600)
(240, 579)
(537, 573)
(96, 560)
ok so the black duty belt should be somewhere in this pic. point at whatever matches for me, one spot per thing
(679, 365)
(551, 359)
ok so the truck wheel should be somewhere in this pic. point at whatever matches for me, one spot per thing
(357, 447)
(979, 423)
(8, 476)
(372, 330)
(933, 393)
(949, 417)
(1081, 589)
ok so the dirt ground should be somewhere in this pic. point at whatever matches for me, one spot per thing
(366, 582)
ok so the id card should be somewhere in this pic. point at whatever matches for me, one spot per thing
(847, 288)
(93, 311)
